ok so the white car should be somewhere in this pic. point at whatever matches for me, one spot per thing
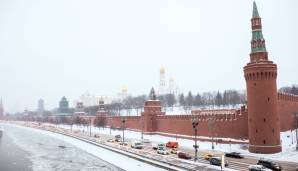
(137, 145)
(162, 150)
(146, 141)
(258, 168)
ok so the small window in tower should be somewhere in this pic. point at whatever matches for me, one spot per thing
(268, 99)
(256, 130)
(264, 119)
(273, 130)
(255, 84)
(264, 141)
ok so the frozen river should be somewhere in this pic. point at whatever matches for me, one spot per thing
(42, 151)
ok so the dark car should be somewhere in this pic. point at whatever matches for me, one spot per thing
(269, 164)
(184, 155)
(217, 161)
(258, 168)
(234, 155)
(117, 138)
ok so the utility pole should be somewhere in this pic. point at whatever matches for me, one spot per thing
(195, 123)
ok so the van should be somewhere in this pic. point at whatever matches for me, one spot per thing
(172, 144)
(137, 145)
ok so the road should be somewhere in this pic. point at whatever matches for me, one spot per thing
(237, 164)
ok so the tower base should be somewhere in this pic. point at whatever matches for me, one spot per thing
(264, 149)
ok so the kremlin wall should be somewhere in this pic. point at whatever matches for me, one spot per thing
(267, 113)
(259, 123)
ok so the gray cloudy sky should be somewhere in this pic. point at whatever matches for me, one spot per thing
(53, 48)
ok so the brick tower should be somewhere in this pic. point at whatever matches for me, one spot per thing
(152, 108)
(260, 75)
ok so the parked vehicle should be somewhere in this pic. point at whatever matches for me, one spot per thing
(174, 151)
(270, 164)
(217, 161)
(111, 140)
(137, 145)
(208, 156)
(155, 146)
(123, 143)
(146, 141)
(184, 155)
(117, 138)
(172, 144)
(162, 150)
(234, 155)
(258, 168)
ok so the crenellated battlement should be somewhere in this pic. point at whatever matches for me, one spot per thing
(287, 97)
(254, 76)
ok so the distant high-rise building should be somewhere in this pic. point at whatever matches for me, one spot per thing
(40, 107)
(162, 81)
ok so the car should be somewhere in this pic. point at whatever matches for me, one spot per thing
(155, 146)
(208, 156)
(174, 151)
(270, 164)
(137, 145)
(184, 155)
(111, 140)
(217, 161)
(258, 168)
(117, 138)
(172, 144)
(146, 141)
(96, 136)
(124, 143)
(162, 150)
(234, 155)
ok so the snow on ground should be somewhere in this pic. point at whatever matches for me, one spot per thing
(288, 139)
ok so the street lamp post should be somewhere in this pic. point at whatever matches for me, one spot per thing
(90, 125)
(296, 116)
(211, 122)
(195, 123)
(142, 121)
(123, 127)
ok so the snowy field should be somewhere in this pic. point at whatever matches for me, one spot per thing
(288, 139)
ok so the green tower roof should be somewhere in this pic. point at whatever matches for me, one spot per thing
(255, 13)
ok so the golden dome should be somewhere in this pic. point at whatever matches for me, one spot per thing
(162, 70)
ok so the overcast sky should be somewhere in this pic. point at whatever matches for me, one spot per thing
(55, 48)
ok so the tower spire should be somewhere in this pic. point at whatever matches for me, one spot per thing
(255, 13)
(258, 47)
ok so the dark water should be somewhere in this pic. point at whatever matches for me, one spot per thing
(22, 149)
(12, 157)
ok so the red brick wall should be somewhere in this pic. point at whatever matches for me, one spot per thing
(232, 126)
(131, 122)
(287, 105)
(224, 126)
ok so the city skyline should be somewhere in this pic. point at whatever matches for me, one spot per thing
(68, 55)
